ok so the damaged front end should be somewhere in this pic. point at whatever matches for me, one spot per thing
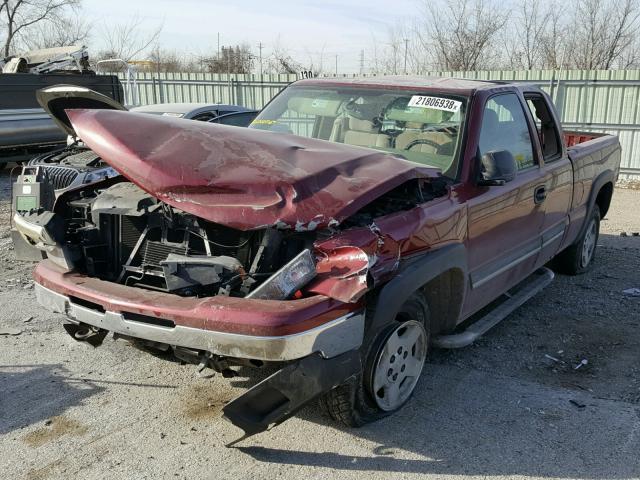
(121, 235)
(227, 265)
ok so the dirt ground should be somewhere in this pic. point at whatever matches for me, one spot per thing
(513, 405)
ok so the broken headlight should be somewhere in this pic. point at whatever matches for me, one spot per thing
(290, 278)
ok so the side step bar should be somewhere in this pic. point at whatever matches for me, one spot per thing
(534, 284)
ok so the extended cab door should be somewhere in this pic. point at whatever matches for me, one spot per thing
(557, 174)
(504, 222)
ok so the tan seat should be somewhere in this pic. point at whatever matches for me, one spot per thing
(363, 133)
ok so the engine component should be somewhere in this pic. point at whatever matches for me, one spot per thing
(182, 271)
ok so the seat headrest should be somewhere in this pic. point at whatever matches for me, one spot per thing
(490, 119)
(361, 125)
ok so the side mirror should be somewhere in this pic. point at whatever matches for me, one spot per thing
(498, 168)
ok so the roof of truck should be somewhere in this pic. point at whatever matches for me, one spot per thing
(460, 85)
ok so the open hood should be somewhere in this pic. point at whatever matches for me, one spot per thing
(240, 177)
(58, 98)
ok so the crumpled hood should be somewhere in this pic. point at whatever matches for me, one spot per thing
(239, 177)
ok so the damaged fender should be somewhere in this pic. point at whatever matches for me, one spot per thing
(351, 263)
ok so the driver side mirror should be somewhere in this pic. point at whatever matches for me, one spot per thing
(498, 168)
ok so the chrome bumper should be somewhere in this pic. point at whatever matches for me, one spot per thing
(331, 339)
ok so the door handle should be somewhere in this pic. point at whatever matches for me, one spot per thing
(540, 194)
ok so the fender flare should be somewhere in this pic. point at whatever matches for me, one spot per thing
(605, 177)
(415, 273)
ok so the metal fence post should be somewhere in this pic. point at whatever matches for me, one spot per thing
(153, 88)
(160, 90)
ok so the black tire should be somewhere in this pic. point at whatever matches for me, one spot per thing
(352, 403)
(573, 261)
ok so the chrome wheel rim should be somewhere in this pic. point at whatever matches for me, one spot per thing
(589, 244)
(399, 364)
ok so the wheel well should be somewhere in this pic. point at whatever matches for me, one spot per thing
(444, 296)
(603, 200)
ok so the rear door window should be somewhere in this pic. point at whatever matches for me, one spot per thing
(545, 126)
(505, 127)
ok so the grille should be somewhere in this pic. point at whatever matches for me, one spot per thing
(60, 177)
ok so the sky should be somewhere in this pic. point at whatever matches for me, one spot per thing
(303, 27)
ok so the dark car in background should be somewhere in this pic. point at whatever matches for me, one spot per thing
(25, 128)
(203, 112)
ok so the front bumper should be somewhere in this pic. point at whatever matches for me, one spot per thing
(329, 338)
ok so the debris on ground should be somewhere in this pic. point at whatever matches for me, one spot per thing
(577, 404)
(582, 363)
(10, 331)
(632, 292)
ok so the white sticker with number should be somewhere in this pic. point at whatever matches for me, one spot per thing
(437, 103)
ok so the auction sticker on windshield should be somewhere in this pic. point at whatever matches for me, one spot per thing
(438, 103)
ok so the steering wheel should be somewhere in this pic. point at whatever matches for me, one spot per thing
(422, 141)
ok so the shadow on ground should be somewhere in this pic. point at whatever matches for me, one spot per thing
(5, 177)
(35, 393)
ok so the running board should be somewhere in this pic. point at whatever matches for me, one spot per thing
(534, 283)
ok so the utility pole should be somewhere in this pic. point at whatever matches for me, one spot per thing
(406, 46)
(336, 65)
(362, 62)
(218, 44)
(260, 47)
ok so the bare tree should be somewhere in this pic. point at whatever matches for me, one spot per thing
(58, 32)
(166, 61)
(233, 59)
(280, 60)
(315, 61)
(20, 15)
(604, 32)
(524, 39)
(461, 34)
(126, 40)
(403, 51)
(556, 39)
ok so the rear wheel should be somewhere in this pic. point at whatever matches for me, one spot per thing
(578, 258)
(393, 360)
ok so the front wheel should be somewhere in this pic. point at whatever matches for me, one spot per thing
(393, 360)
(578, 258)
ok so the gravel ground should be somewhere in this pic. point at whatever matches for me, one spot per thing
(512, 406)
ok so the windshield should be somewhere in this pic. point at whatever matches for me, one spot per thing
(421, 127)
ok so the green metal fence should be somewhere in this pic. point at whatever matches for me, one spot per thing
(598, 101)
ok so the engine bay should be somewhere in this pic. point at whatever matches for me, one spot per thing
(122, 234)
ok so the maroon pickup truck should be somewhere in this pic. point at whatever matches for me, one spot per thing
(354, 225)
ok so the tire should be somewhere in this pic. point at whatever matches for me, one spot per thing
(354, 403)
(578, 258)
